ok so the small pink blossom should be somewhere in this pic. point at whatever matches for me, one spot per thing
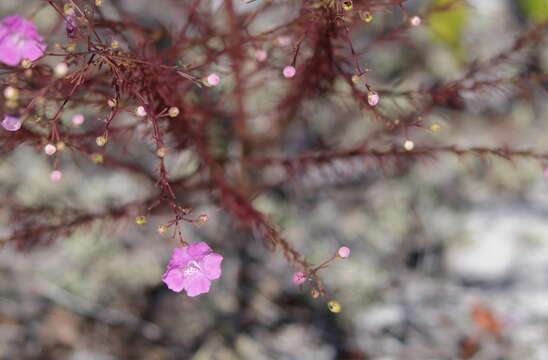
(11, 123)
(299, 278)
(213, 79)
(192, 268)
(56, 175)
(260, 55)
(78, 119)
(19, 40)
(289, 71)
(343, 252)
(415, 21)
(373, 98)
(50, 149)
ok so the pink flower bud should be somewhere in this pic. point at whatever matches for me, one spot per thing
(56, 175)
(78, 119)
(50, 149)
(343, 252)
(415, 21)
(260, 55)
(11, 123)
(298, 278)
(289, 71)
(373, 98)
(213, 79)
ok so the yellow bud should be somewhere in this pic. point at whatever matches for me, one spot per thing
(347, 5)
(101, 140)
(97, 158)
(68, 9)
(98, 2)
(140, 220)
(366, 16)
(71, 47)
(162, 229)
(11, 93)
(60, 146)
(161, 152)
(334, 306)
(315, 293)
(12, 104)
(435, 127)
(26, 63)
(114, 44)
(173, 111)
(355, 78)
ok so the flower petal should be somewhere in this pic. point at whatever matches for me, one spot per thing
(174, 279)
(9, 53)
(32, 50)
(198, 249)
(196, 284)
(179, 257)
(211, 266)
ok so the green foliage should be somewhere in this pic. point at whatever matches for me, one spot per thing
(446, 26)
(535, 10)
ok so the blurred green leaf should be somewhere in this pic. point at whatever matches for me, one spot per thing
(446, 26)
(536, 10)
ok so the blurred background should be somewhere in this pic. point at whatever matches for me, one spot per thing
(449, 256)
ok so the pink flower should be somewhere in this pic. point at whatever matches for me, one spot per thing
(50, 149)
(298, 278)
(56, 175)
(78, 119)
(260, 55)
(213, 79)
(343, 252)
(19, 40)
(373, 98)
(11, 123)
(289, 71)
(192, 268)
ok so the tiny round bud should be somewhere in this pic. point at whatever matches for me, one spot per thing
(260, 55)
(50, 149)
(373, 98)
(97, 158)
(11, 93)
(68, 9)
(289, 71)
(162, 229)
(11, 123)
(112, 102)
(213, 79)
(140, 220)
(26, 63)
(343, 252)
(435, 127)
(140, 111)
(60, 70)
(283, 40)
(173, 111)
(101, 140)
(366, 16)
(60, 146)
(114, 44)
(78, 119)
(12, 104)
(202, 219)
(56, 175)
(315, 293)
(347, 5)
(298, 278)
(408, 145)
(161, 152)
(415, 21)
(98, 2)
(71, 47)
(355, 78)
(334, 306)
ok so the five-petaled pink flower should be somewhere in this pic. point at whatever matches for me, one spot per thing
(19, 40)
(192, 268)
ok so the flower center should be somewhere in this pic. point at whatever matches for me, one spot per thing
(191, 268)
